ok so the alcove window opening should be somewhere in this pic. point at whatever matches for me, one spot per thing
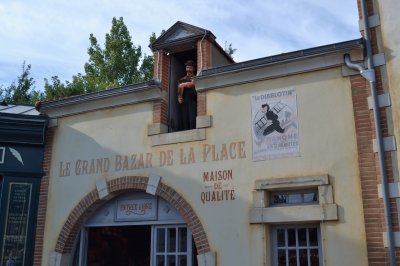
(294, 197)
(177, 70)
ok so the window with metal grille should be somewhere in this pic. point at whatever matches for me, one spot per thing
(296, 245)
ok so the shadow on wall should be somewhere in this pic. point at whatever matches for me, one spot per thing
(215, 203)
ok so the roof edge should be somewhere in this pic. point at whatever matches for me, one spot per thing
(93, 96)
(159, 44)
(284, 57)
(126, 95)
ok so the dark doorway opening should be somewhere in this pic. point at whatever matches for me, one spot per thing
(177, 71)
(119, 245)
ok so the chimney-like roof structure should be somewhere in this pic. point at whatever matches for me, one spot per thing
(182, 37)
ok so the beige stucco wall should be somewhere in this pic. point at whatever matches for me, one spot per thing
(327, 146)
(390, 43)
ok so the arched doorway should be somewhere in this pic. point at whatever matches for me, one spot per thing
(137, 229)
(89, 206)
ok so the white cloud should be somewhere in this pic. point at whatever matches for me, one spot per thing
(53, 36)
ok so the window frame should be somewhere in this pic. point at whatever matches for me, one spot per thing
(308, 247)
(263, 213)
(165, 253)
(300, 192)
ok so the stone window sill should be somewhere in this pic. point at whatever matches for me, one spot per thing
(159, 135)
(263, 212)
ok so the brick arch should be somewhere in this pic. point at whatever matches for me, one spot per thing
(92, 202)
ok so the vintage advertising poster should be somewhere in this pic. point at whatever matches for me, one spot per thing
(274, 124)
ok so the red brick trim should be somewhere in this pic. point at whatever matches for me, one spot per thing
(156, 67)
(204, 56)
(368, 160)
(204, 61)
(42, 204)
(161, 67)
(201, 103)
(121, 185)
(373, 206)
(370, 174)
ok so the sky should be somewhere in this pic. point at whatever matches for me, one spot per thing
(53, 36)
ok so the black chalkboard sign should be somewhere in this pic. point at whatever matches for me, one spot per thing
(14, 239)
(18, 214)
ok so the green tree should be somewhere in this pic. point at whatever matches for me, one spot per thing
(146, 69)
(22, 92)
(229, 49)
(37, 96)
(56, 89)
(118, 63)
(5, 94)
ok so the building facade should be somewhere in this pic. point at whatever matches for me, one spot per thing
(281, 169)
(22, 134)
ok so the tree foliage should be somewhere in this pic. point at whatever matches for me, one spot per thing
(22, 91)
(146, 69)
(115, 65)
(119, 63)
(56, 89)
(229, 49)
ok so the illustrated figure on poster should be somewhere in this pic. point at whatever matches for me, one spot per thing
(275, 131)
(270, 115)
(187, 97)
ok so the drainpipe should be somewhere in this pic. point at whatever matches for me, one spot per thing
(369, 74)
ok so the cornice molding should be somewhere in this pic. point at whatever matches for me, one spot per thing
(131, 94)
(282, 65)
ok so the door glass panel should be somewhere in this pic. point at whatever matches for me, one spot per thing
(281, 237)
(292, 258)
(292, 237)
(171, 260)
(314, 257)
(313, 236)
(160, 240)
(182, 242)
(160, 260)
(282, 257)
(176, 246)
(171, 239)
(302, 234)
(182, 261)
(303, 258)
